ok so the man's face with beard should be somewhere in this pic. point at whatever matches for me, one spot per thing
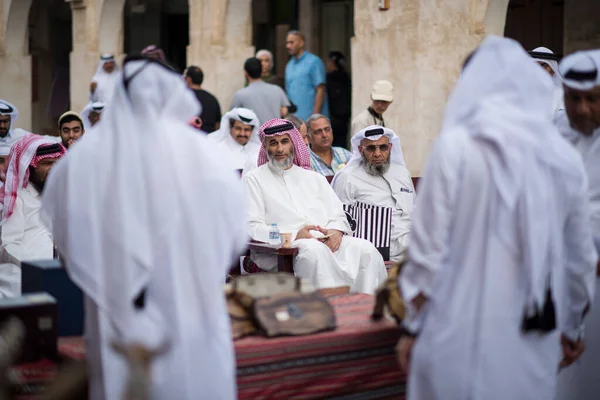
(280, 151)
(583, 109)
(38, 175)
(376, 155)
(241, 132)
(4, 125)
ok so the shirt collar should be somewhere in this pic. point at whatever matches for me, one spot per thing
(301, 57)
(34, 192)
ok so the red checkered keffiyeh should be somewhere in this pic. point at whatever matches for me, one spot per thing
(155, 52)
(301, 153)
(22, 155)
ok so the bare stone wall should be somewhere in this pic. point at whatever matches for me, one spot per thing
(419, 46)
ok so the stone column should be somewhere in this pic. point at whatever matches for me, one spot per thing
(15, 62)
(97, 29)
(220, 42)
(419, 46)
(581, 25)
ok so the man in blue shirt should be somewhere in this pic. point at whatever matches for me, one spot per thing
(305, 78)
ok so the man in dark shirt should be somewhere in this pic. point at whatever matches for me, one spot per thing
(211, 111)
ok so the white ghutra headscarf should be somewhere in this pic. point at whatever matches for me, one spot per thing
(503, 100)
(105, 82)
(96, 107)
(375, 132)
(244, 115)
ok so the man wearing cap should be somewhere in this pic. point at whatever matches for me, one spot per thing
(91, 114)
(284, 191)
(238, 136)
(8, 117)
(70, 128)
(382, 96)
(549, 61)
(580, 124)
(104, 80)
(376, 175)
(23, 236)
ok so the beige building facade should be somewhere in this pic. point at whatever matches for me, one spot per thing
(49, 49)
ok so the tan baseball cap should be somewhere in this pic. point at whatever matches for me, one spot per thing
(383, 90)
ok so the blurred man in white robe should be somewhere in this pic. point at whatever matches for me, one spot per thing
(581, 125)
(283, 190)
(501, 262)
(91, 114)
(238, 135)
(8, 118)
(23, 236)
(105, 79)
(376, 175)
(549, 61)
(150, 260)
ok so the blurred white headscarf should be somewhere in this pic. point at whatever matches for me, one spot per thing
(105, 82)
(503, 100)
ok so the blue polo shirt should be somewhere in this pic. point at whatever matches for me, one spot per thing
(302, 76)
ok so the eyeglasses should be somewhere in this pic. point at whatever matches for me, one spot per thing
(372, 148)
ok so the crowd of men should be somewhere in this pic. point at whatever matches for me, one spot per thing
(157, 194)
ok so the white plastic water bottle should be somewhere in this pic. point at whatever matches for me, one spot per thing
(274, 237)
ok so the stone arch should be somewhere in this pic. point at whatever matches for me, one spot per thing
(16, 16)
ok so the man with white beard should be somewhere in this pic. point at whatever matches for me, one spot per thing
(238, 135)
(501, 261)
(104, 80)
(581, 125)
(151, 262)
(376, 175)
(284, 191)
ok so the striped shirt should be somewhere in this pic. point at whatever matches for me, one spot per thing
(302, 76)
(340, 157)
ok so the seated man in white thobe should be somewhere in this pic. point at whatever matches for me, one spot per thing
(23, 236)
(238, 135)
(283, 190)
(581, 125)
(501, 261)
(377, 175)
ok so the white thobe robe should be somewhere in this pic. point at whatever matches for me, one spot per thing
(581, 380)
(470, 345)
(239, 154)
(105, 88)
(297, 197)
(24, 238)
(394, 190)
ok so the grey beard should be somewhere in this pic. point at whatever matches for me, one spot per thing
(283, 165)
(376, 170)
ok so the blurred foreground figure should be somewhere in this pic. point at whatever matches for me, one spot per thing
(581, 125)
(150, 259)
(501, 261)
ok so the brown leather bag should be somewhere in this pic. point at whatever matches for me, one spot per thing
(258, 303)
(294, 314)
(388, 296)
